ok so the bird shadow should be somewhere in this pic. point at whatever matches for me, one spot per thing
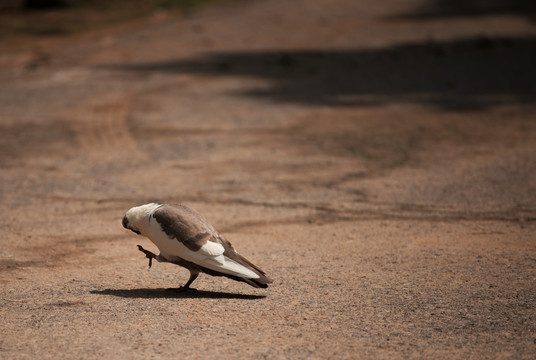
(163, 293)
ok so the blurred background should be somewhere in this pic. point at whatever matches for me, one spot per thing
(64, 17)
(377, 159)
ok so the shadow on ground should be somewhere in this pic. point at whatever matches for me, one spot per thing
(468, 74)
(163, 293)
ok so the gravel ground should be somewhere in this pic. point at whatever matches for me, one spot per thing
(377, 160)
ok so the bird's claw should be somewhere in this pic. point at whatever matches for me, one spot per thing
(148, 255)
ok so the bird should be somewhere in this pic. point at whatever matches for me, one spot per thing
(186, 238)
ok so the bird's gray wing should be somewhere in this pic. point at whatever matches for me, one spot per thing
(188, 227)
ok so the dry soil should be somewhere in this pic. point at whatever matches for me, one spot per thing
(377, 159)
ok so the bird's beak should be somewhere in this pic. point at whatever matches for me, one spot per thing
(125, 222)
(125, 225)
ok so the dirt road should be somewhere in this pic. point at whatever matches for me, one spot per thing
(377, 160)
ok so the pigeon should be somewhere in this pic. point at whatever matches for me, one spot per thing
(186, 238)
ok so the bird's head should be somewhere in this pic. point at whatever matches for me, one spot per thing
(136, 219)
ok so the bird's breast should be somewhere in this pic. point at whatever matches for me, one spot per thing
(170, 248)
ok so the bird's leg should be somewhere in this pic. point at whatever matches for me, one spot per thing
(193, 276)
(149, 255)
(186, 287)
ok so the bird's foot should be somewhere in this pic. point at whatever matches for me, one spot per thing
(148, 255)
(181, 289)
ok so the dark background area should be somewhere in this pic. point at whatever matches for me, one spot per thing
(472, 8)
(467, 74)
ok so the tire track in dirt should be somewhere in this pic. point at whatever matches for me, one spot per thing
(101, 128)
